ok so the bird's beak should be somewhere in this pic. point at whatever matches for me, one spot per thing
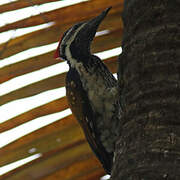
(92, 25)
(89, 30)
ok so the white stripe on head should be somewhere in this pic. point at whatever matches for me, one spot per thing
(69, 42)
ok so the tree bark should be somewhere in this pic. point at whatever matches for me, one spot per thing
(149, 145)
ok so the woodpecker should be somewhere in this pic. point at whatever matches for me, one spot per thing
(91, 89)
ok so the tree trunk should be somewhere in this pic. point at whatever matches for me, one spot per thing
(149, 146)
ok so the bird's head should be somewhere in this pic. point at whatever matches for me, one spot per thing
(74, 45)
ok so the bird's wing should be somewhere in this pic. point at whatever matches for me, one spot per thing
(82, 110)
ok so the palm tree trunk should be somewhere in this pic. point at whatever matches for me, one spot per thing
(149, 145)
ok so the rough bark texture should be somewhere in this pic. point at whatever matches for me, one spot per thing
(149, 147)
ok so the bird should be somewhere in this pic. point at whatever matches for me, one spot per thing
(91, 89)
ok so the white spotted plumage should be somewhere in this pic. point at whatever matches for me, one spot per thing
(97, 85)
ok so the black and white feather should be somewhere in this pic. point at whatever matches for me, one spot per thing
(92, 90)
